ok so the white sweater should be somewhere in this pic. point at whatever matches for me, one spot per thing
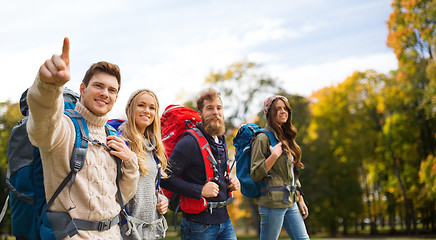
(94, 190)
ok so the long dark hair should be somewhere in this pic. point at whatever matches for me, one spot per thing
(286, 132)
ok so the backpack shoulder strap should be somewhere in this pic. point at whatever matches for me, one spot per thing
(209, 160)
(77, 157)
(159, 166)
(111, 131)
(270, 135)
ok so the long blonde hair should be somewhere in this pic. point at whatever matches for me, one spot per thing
(136, 138)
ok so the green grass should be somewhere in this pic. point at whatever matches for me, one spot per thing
(359, 238)
(172, 236)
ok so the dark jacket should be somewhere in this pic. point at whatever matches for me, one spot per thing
(186, 161)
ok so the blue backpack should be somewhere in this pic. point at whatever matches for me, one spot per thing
(242, 142)
(25, 174)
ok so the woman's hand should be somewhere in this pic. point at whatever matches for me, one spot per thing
(303, 208)
(162, 204)
(276, 151)
(233, 184)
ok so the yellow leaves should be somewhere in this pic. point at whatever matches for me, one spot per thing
(427, 175)
(234, 71)
(391, 190)
(228, 74)
(411, 28)
(236, 210)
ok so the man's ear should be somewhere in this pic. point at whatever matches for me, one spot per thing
(199, 113)
(82, 88)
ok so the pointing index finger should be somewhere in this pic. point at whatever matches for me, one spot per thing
(66, 51)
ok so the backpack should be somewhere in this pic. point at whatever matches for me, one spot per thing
(242, 142)
(29, 215)
(177, 121)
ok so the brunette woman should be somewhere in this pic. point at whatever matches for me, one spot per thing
(276, 167)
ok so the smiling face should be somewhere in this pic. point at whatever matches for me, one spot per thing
(212, 117)
(281, 110)
(145, 111)
(100, 94)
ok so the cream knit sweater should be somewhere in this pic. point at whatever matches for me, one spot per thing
(94, 190)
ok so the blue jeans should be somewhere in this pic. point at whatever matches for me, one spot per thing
(197, 231)
(272, 220)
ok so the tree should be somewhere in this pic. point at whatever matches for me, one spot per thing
(427, 176)
(244, 87)
(411, 28)
(10, 114)
(336, 149)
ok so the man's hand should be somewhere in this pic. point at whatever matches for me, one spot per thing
(162, 204)
(234, 184)
(120, 149)
(210, 189)
(57, 69)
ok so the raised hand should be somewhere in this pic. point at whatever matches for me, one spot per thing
(57, 69)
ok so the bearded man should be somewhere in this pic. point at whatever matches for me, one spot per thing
(187, 175)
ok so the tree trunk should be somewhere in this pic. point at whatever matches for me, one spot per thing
(333, 228)
(433, 216)
(356, 226)
(413, 215)
(345, 225)
(368, 203)
(403, 192)
(373, 217)
(400, 182)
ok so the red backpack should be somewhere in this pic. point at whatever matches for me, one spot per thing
(176, 121)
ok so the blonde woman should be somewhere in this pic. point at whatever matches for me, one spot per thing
(142, 133)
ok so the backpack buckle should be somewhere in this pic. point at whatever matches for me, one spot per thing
(77, 159)
(104, 225)
(290, 188)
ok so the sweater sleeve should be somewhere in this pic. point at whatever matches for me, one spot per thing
(185, 162)
(46, 125)
(129, 180)
(259, 153)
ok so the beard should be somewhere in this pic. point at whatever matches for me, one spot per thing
(213, 127)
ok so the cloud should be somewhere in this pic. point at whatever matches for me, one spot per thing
(305, 79)
(170, 48)
(20, 69)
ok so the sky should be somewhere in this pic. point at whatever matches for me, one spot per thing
(170, 46)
